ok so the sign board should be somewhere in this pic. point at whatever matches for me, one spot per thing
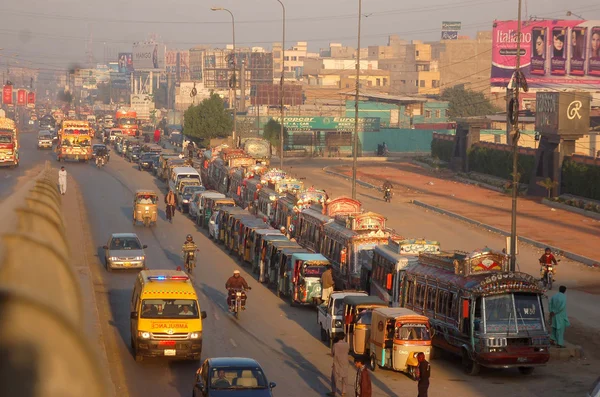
(142, 104)
(555, 54)
(149, 56)
(340, 124)
(21, 97)
(7, 94)
(563, 113)
(125, 63)
(31, 99)
(450, 35)
(451, 26)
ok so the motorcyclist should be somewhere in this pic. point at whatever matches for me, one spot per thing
(387, 189)
(188, 246)
(548, 259)
(236, 282)
(101, 154)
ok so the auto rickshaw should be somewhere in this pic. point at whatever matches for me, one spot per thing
(145, 207)
(303, 278)
(248, 229)
(212, 205)
(271, 271)
(238, 231)
(397, 336)
(357, 321)
(227, 213)
(250, 252)
(260, 245)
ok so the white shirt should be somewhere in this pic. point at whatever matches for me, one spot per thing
(62, 175)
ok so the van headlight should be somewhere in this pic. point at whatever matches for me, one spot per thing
(195, 335)
(337, 324)
(144, 335)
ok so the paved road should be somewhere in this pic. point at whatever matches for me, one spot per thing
(283, 339)
(31, 162)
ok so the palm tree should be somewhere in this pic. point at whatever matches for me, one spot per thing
(547, 184)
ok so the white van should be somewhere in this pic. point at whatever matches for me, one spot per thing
(180, 173)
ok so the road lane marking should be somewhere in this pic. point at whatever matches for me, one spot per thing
(216, 316)
(232, 342)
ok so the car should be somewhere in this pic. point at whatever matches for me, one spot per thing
(213, 226)
(146, 160)
(132, 155)
(155, 165)
(185, 195)
(98, 146)
(45, 140)
(232, 376)
(124, 251)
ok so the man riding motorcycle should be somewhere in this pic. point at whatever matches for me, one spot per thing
(236, 282)
(387, 191)
(547, 259)
(101, 155)
(188, 246)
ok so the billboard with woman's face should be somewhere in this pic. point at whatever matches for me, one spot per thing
(555, 54)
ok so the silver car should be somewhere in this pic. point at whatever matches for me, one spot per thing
(124, 251)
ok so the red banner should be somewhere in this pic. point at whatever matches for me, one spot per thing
(21, 97)
(31, 98)
(7, 95)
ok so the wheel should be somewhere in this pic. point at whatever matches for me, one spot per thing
(323, 335)
(373, 362)
(549, 282)
(237, 314)
(469, 366)
(526, 370)
(108, 268)
(146, 222)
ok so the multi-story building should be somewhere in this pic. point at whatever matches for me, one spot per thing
(428, 73)
(294, 60)
(197, 61)
(177, 63)
(217, 69)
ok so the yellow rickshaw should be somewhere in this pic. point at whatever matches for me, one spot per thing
(397, 336)
(357, 319)
(145, 207)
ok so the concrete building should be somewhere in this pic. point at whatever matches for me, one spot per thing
(337, 51)
(294, 60)
(399, 58)
(197, 62)
(217, 67)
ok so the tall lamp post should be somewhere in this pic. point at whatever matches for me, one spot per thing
(355, 136)
(281, 88)
(233, 135)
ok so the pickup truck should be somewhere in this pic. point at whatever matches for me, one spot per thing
(330, 317)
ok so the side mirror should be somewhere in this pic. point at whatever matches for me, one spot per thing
(199, 385)
(105, 247)
(134, 315)
(272, 385)
(144, 246)
(202, 314)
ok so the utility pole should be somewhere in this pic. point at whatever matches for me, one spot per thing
(281, 102)
(514, 109)
(355, 136)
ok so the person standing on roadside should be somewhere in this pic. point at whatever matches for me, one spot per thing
(62, 180)
(423, 377)
(339, 367)
(558, 317)
(362, 386)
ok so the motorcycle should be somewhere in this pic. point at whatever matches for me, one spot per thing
(236, 301)
(387, 195)
(548, 275)
(100, 161)
(190, 260)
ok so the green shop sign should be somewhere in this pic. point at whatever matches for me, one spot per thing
(340, 124)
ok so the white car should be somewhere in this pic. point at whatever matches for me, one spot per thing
(213, 226)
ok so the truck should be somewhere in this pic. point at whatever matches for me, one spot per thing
(330, 316)
(126, 120)
(9, 143)
(74, 141)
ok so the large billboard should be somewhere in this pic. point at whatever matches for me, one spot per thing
(555, 54)
(125, 62)
(149, 56)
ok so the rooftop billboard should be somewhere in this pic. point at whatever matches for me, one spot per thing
(149, 56)
(555, 54)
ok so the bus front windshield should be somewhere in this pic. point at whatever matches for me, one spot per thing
(512, 313)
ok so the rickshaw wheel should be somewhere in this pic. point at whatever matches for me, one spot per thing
(373, 363)
(146, 222)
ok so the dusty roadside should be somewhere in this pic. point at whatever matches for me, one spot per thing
(95, 298)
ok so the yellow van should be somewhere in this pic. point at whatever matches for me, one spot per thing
(166, 320)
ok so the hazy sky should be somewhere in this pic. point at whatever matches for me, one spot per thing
(50, 34)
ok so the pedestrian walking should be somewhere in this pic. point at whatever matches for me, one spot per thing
(362, 386)
(423, 377)
(62, 180)
(326, 284)
(171, 202)
(558, 317)
(339, 367)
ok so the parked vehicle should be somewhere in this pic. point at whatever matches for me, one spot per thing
(330, 315)
(357, 321)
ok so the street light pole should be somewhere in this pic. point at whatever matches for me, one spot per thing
(355, 136)
(233, 135)
(281, 89)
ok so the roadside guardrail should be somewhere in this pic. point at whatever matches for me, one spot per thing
(43, 348)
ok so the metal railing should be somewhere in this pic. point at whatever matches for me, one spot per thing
(43, 347)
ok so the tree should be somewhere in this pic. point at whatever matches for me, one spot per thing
(466, 103)
(271, 133)
(208, 120)
(548, 184)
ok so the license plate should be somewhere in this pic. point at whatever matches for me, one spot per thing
(170, 352)
(522, 359)
(127, 264)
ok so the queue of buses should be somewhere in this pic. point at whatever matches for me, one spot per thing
(475, 306)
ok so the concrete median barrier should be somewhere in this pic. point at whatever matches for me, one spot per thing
(44, 349)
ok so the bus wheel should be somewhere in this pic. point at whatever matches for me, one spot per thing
(469, 366)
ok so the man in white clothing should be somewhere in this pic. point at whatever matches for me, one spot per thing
(62, 180)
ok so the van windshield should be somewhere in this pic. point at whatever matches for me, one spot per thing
(169, 308)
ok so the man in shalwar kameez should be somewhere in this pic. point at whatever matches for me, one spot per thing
(558, 316)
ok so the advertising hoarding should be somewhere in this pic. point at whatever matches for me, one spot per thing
(125, 63)
(21, 97)
(149, 56)
(7, 94)
(31, 99)
(555, 54)
(142, 104)
(564, 113)
(340, 124)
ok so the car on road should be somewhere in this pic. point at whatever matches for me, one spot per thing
(124, 251)
(133, 154)
(185, 196)
(146, 160)
(232, 376)
(155, 165)
(96, 147)
(44, 140)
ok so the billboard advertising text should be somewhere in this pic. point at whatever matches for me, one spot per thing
(555, 54)
(21, 97)
(7, 94)
(149, 56)
(31, 99)
(125, 62)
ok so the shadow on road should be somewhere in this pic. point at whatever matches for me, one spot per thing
(127, 212)
(307, 371)
(218, 297)
(174, 258)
